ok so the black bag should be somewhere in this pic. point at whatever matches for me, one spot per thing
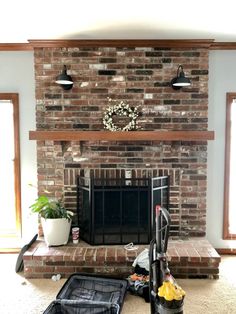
(140, 287)
(89, 294)
(19, 262)
(81, 307)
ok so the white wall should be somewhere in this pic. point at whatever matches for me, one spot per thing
(17, 76)
(222, 79)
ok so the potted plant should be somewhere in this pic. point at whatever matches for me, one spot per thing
(55, 219)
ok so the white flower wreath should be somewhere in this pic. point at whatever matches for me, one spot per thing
(120, 109)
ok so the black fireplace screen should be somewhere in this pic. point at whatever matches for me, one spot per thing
(119, 211)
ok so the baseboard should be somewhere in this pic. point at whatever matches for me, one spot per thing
(9, 251)
(226, 251)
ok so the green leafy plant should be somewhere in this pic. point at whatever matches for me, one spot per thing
(50, 208)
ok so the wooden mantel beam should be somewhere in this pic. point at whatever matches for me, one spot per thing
(72, 135)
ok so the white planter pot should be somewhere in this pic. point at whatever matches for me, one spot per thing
(56, 231)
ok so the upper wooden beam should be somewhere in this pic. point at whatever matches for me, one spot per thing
(223, 46)
(121, 136)
(171, 43)
(15, 47)
(162, 43)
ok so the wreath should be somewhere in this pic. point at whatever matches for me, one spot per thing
(120, 109)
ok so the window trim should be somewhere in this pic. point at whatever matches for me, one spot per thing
(14, 98)
(229, 101)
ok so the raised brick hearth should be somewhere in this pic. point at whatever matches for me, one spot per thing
(193, 258)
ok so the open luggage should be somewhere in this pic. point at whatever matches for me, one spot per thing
(89, 294)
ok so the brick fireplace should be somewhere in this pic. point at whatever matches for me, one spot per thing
(139, 75)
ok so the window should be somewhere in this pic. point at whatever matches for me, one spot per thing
(229, 229)
(10, 209)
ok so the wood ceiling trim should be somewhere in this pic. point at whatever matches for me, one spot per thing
(171, 43)
(15, 47)
(162, 43)
(223, 46)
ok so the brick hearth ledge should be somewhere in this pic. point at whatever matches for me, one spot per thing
(192, 258)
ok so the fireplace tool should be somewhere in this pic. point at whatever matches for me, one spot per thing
(166, 297)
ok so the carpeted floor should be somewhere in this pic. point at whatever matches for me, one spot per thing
(22, 296)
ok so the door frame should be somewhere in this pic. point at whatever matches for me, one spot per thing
(14, 98)
(229, 100)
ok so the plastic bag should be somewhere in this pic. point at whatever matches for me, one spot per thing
(142, 260)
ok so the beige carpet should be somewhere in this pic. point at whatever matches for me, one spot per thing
(21, 296)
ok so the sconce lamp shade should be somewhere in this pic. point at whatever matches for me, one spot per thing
(65, 80)
(180, 80)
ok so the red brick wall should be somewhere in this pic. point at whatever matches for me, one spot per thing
(138, 76)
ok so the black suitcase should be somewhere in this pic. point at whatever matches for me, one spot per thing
(81, 307)
(89, 294)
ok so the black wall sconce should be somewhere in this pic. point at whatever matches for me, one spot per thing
(180, 80)
(64, 79)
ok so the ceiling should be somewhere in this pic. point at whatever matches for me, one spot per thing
(120, 19)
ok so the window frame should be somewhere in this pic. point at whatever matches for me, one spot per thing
(14, 98)
(229, 102)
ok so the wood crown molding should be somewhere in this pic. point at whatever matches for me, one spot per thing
(162, 43)
(15, 47)
(223, 46)
(121, 136)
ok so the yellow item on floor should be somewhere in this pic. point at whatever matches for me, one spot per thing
(171, 291)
